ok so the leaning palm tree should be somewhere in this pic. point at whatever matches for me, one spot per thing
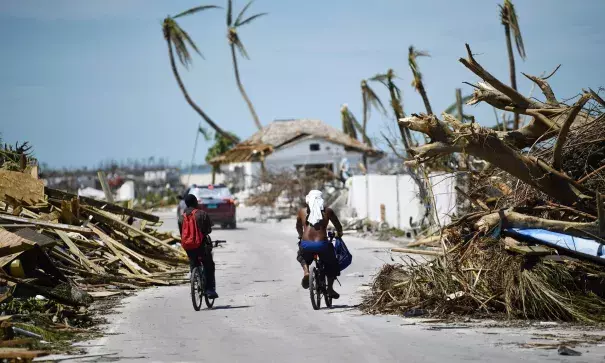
(370, 100)
(178, 42)
(508, 17)
(417, 81)
(349, 122)
(387, 80)
(235, 42)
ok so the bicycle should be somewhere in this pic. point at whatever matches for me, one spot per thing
(318, 281)
(198, 283)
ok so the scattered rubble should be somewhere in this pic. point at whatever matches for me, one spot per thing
(59, 253)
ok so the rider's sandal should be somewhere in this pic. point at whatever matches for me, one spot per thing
(305, 282)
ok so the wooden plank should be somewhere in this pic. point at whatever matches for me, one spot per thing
(110, 207)
(513, 245)
(38, 223)
(101, 294)
(105, 186)
(76, 251)
(101, 216)
(110, 243)
(21, 187)
(35, 237)
(11, 243)
(417, 252)
(57, 253)
(21, 353)
(146, 279)
(16, 225)
(432, 240)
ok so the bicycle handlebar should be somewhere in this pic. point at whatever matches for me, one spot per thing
(216, 243)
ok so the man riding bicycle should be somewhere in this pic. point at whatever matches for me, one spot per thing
(204, 252)
(311, 225)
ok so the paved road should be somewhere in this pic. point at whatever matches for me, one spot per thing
(264, 315)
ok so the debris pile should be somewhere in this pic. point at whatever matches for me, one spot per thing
(288, 188)
(530, 245)
(60, 252)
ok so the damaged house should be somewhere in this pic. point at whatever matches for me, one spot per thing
(296, 144)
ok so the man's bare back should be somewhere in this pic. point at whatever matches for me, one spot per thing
(317, 232)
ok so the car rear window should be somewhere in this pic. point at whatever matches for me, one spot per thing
(202, 193)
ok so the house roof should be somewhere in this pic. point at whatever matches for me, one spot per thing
(280, 133)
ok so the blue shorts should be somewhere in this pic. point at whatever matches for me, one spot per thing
(314, 246)
(325, 250)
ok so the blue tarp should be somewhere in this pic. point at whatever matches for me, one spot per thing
(576, 245)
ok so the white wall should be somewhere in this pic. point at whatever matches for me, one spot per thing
(201, 179)
(299, 153)
(251, 171)
(399, 194)
(156, 175)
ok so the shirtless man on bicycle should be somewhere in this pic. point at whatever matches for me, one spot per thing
(311, 225)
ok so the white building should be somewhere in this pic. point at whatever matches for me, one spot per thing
(287, 144)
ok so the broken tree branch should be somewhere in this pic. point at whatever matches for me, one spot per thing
(571, 116)
(453, 136)
(417, 252)
(512, 219)
(592, 173)
(596, 97)
(476, 68)
(545, 87)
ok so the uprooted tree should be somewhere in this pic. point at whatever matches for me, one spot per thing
(508, 150)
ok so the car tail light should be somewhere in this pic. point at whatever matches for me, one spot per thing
(229, 200)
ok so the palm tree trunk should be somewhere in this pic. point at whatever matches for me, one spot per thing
(425, 98)
(197, 135)
(511, 66)
(365, 123)
(365, 136)
(197, 108)
(398, 111)
(241, 89)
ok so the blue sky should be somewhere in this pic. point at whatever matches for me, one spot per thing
(86, 81)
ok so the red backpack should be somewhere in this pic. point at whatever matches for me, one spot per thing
(191, 237)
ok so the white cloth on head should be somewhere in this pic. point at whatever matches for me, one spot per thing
(316, 206)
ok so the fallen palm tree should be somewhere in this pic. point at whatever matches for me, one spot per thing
(529, 245)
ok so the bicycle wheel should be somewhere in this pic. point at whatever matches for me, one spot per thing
(209, 302)
(315, 288)
(327, 297)
(197, 288)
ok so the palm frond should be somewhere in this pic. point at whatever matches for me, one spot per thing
(250, 19)
(382, 78)
(356, 123)
(397, 92)
(187, 39)
(371, 99)
(240, 47)
(240, 16)
(180, 40)
(196, 9)
(412, 55)
(207, 135)
(508, 16)
(348, 122)
(229, 12)
(359, 128)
